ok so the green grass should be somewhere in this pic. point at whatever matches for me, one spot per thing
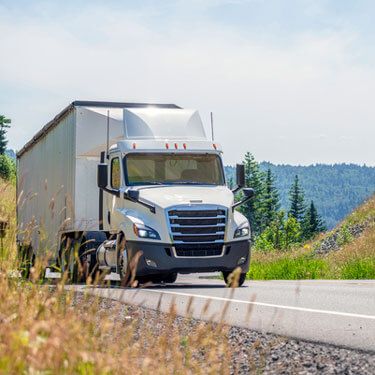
(359, 269)
(305, 267)
(291, 267)
(288, 268)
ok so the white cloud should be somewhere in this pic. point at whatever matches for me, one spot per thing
(272, 100)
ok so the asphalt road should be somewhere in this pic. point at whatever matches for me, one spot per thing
(333, 312)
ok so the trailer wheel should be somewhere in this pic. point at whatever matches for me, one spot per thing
(231, 281)
(26, 260)
(67, 259)
(72, 262)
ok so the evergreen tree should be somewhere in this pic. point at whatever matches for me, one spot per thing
(270, 200)
(292, 232)
(297, 200)
(312, 222)
(4, 125)
(254, 178)
(230, 183)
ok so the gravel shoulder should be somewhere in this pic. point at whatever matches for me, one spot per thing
(252, 352)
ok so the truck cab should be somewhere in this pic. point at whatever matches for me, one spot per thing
(165, 202)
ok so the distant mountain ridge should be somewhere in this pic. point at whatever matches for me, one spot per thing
(10, 153)
(336, 189)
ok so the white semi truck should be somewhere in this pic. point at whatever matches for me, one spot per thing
(130, 189)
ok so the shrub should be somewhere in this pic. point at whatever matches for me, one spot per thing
(7, 168)
(344, 235)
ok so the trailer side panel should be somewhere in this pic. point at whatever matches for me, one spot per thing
(46, 172)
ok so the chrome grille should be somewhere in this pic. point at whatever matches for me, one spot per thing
(197, 250)
(198, 232)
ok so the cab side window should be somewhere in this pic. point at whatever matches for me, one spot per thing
(115, 173)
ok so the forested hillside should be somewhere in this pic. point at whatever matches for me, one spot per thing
(336, 189)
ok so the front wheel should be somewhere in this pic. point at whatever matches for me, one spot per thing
(234, 279)
(170, 278)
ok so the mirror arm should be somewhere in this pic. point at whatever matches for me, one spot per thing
(237, 189)
(240, 203)
(112, 191)
(149, 206)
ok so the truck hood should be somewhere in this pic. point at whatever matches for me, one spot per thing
(167, 196)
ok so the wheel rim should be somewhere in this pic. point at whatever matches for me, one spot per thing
(123, 262)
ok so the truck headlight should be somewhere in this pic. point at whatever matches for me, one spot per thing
(143, 231)
(242, 232)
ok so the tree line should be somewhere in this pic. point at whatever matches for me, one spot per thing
(272, 227)
(336, 189)
(7, 165)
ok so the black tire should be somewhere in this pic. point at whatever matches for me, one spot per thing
(170, 278)
(78, 257)
(89, 261)
(26, 260)
(127, 277)
(66, 260)
(73, 263)
(235, 283)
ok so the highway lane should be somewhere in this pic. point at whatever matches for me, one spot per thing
(333, 312)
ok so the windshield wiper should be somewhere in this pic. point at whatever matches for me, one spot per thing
(189, 183)
(148, 183)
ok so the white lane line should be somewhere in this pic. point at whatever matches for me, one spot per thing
(295, 308)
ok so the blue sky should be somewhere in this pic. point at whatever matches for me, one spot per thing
(292, 81)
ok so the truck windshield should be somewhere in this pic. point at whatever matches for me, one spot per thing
(168, 168)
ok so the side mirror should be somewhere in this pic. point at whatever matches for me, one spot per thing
(102, 175)
(240, 175)
(248, 193)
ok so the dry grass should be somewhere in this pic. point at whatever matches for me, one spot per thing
(47, 330)
(364, 213)
(356, 258)
(42, 331)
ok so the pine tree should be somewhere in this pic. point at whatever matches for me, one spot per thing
(270, 200)
(292, 232)
(4, 125)
(312, 222)
(230, 183)
(297, 200)
(276, 230)
(254, 178)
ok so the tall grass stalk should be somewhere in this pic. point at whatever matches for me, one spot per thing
(47, 329)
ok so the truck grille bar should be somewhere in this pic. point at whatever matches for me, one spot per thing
(198, 232)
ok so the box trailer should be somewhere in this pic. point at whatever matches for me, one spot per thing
(109, 186)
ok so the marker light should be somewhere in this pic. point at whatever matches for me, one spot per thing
(167, 146)
(176, 146)
(184, 146)
(134, 146)
(214, 145)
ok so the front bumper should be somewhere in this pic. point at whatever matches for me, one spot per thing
(163, 259)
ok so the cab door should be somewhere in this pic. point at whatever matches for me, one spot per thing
(115, 182)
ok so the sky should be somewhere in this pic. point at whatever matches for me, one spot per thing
(291, 81)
